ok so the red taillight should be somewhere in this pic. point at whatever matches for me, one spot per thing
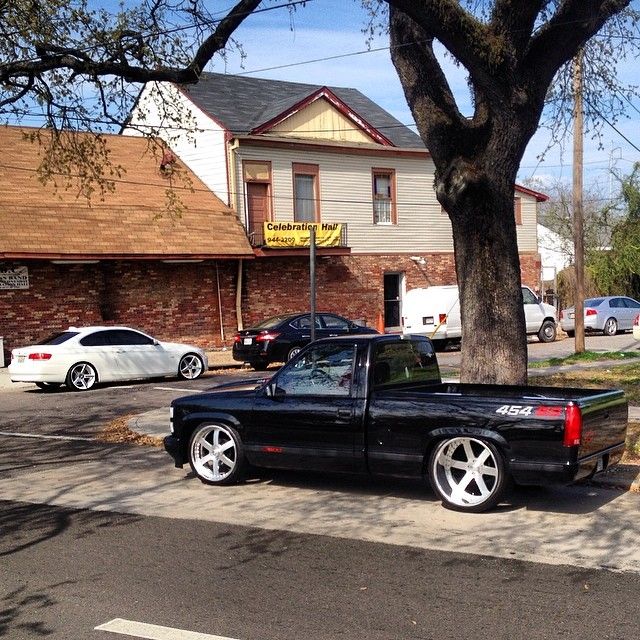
(572, 425)
(636, 322)
(267, 335)
(442, 318)
(39, 356)
(561, 315)
(237, 338)
(590, 312)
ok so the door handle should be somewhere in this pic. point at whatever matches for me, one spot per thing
(344, 413)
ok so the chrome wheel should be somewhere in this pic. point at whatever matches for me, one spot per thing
(81, 377)
(467, 474)
(215, 454)
(610, 327)
(190, 367)
(293, 352)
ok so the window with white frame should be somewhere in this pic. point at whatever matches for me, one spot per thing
(305, 193)
(384, 196)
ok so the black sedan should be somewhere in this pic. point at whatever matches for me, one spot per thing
(279, 338)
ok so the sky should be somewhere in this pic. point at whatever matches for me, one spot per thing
(284, 48)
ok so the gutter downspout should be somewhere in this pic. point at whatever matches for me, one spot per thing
(239, 297)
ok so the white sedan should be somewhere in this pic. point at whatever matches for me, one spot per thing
(82, 357)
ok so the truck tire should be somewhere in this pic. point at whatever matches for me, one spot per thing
(216, 454)
(467, 474)
(547, 332)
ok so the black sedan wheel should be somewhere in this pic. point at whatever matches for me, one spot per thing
(293, 352)
(82, 377)
(216, 454)
(467, 474)
(191, 366)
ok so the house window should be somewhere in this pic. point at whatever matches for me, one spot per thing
(517, 208)
(306, 206)
(384, 196)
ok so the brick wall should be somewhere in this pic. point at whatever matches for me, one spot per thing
(175, 302)
(348, 285)
(179, 302)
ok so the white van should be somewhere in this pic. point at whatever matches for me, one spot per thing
(435, 312)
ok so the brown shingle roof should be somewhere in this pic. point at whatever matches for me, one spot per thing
(40, 221)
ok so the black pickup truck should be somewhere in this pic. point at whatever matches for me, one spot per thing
(376, 404)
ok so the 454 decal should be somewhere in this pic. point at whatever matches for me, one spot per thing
(514, 410)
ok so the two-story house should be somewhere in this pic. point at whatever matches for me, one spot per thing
(284, 152)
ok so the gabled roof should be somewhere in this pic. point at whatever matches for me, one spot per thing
(242, 105)
(40, 221)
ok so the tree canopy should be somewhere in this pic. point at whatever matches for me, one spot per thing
(512, 50)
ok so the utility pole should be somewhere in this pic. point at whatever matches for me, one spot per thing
(578, 214)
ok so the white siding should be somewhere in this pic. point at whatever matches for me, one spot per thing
(345, 194)
(197, 139)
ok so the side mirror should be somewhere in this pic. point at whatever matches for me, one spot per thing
(155, 342)
(273, 391)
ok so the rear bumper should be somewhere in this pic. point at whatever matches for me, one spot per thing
(540, 473)
(174, 449)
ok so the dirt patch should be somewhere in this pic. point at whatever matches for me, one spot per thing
(117, 431)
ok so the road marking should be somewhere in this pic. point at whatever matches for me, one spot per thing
(43, 437)
(153, 631)
(181, 389)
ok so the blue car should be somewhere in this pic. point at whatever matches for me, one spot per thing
(608, 314)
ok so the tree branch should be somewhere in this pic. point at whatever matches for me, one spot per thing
(559, 39)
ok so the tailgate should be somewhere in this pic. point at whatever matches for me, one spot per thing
(604, 422)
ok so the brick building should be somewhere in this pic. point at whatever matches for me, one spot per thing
(117, 259)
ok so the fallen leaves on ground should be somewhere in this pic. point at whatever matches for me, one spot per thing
(118, 431)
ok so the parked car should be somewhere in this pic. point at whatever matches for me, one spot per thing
(434, 312)
(608, 314)
(636, 327)
(279, 338)
(82, 357)
(376, 405)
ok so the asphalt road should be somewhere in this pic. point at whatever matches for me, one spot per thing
(65, 572)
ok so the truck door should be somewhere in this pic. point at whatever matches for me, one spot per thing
(309, 417)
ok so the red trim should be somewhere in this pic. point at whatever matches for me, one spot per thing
(540, 197)
(343, 108)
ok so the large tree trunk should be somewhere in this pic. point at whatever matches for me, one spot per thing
(494, 346)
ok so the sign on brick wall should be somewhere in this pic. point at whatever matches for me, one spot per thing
(297, 234)
(17, 278)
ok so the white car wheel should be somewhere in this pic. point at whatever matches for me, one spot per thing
(191, 366)
(81, 377)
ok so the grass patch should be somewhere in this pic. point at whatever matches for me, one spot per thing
(117, 431)
(586, 356)
(626, 377)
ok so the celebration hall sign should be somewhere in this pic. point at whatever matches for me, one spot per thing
(298, 234)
